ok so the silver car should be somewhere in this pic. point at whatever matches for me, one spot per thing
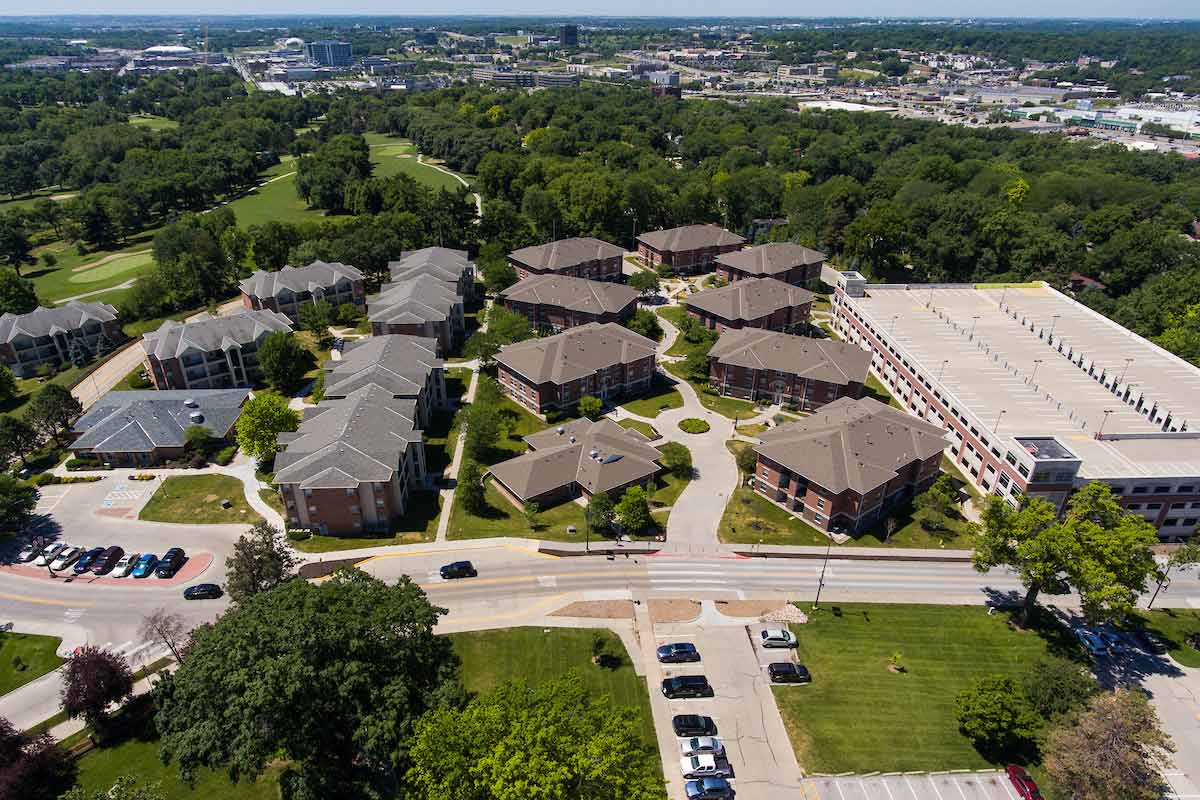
(778, 637)
(66, 558)
(698, 745)
(125, 565)
(28, 552)
(49, 554)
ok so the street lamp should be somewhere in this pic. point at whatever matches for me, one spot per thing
(1003, 411)
(1037, 362)
(821, 580)
(1053, 323)
(894, 318)
(1128, 361)
(942, 371)
(1103, 422)
(974, 322)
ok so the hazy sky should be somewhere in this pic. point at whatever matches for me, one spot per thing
(949, 8)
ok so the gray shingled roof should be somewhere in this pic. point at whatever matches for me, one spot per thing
(599, 456)
(575, 353)
(424, 298)
(399, 364)
(342, 443)
(852, 444)
(771, 259)
(749, 300)
(44, 321)
(440, 262)
(573, 294)
(565, 253)
(690, 237)
(139, 421)
(815, 359)
(173, 339)
(317, 275)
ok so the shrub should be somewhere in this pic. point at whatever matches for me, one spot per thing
(298, 534)
(225, 455)
(693, 425)
(42, 479)
(75, 464)
(142, 476)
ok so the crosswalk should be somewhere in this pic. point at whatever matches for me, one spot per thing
(138, 653)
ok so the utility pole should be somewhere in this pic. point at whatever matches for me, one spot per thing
(821, 581)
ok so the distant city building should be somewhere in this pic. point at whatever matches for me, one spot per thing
(502, 76)
(568, 35)
(329, 53)
(427, 38)
(664, 78)
(551, 80)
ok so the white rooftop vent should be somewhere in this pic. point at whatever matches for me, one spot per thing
(572, 438)
(594, 453)
(196, 417)
(560, 430)
(191, 403)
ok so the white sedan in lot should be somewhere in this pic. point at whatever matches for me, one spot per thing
(701, 744)
(778, 637)
(49, 554)
(125, 565)
(703, 766)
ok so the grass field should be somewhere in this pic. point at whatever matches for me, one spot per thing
(272, 498)
(422, 173)
(196, 499)
(153, 122)
(642, 427)
(67, 278)
(1174, 626)
(856, 716)
(669, 489)
(725, 406)
(504, 519)
(276, 200)
(37, 656)
(27, 387)
(660, 397)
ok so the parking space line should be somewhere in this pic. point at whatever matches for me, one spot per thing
(958, 785)
(933, 785)
(888, 789)
(838, 785)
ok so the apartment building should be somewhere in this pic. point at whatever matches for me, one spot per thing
(452, 267)
(210, 352)
(556, 302)
(787, 370)
(423, 306)
(44, 336)
(691, 248)
(407, 367)
(290, 288)
(782, 261)
(580, 257)
(767, 304)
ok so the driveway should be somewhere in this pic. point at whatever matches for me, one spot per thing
(108, 374)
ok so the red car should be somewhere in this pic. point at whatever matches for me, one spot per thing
(1025, 786)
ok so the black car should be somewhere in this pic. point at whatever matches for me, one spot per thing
(202, 591)
(686, 686)
(787, 672)
(107, 560)
(85, 561)
(678, 653)
(459, 569)
(170, 563)
(687, 725)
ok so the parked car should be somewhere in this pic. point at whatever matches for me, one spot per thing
(66, 557)
(1114, 641)
(84, 564)
(777, 637)
(458, 569)
(677, 653)
(1091, 642)
(50, 553)
(787, 672)
(693, 725)
(704, 766)
(170, 563)
(202, 591)
(701, 744)
(125, 565)
(29, 552)
(708, 789)
(1026, 788)
(686, 686)
(106, 561)
(145, 565)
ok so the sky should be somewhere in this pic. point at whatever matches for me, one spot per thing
(1177, 9)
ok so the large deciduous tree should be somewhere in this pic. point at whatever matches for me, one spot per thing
(17, 502)
(263, 418)
(52, 411)
(633, 510)
(16, 293)
(994, 714)
(32, 767)
(283, 361)
(17, 439)
(94, 679)
(260, 561)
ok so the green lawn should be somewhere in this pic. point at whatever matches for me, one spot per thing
(419, 524)
(154, 123)
(196, 499)
(659, 398)
(276, 200)
(669, 489)
(1174, 626)
(441, 434)
(725, 406)
(504, 519)
(27, 387)
(642, 427)
(675, 315)
(877, 390)
(856, 716)
(36, 656)
(64, 280)
(520, 423)
(271, 497)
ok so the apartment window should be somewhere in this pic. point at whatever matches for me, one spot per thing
(1134, 506)
(1141, 489)
(821, 503)
(1010, 458)
(1187, 489)
(1189, 521)
(818, 518)
(355, 510)
(765, 472)
(1153, 506)
(991, 470)
(995, 452)
(974, 431)
(1004, 481)
(1118, 490)
(1170, 523)
(1175, 506)
(350, 493)
(1024, 470)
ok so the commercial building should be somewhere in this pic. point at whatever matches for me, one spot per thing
(557, 302)
(842, 468)
(556, 80)
(579, 458)
(45, 336)
(407, 367)
(329, 53)
(568, 35)
(145, 428)
(210, 352)
(605, 361)
(786, 370)
(290, 288)
(692, 248)
(1040, 393)
(580, 257)
(767, 304)
(790, 263)
(503, 76)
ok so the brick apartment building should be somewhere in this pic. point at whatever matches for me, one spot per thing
(786, 370)
(407, 367)
(782, 261)
(602, 360)
(692, 248)
(45, 335)
(842, 468)
(290, 288)
(210, 352)
(452, 267)
(424, 306)
(581, 257)
(767, 304)
(557, 302)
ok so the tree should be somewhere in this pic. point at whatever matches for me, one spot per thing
(695, 365)
(1112, 748)
(17, 502)
(17, 440)
(996, 717)
(52, 411)
(124, 788)
(167, 627)
(937, 506)
(1096, 548)
(263, 418)
(330, 676)
(645, 322)
(554, 740)
(470, 488)
(644, 281)
(498, 275)
(600, 513)
(16, 293)
(78, 353)
(481, 423)
(32, 766)
(316, 317)
(529, 511)
(8, 384)
(199, 440)
(1055, 686)
(14, 240)
(590, 407)
(747, 460)
(633, 510)
(94, 679)
(677, 459)
(261, 560)
(482, 345)
(1185, 556)
(348, 314)
(283, 361)
(508, 326)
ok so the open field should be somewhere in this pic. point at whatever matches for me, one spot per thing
(76, 274)
(275, 201)
(153, 122)
(1175, 626)
(660, 397)
(196, 499)
(725, 406)
(25, 657)
(502, 518)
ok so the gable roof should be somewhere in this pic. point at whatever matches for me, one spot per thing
(599, 456)
(565, 253)
(43, 321)
(749, 300)
(575, 352)
(424, 298)
(139, 421)
(690, 237)
(852, 444)
(771, 259)
(317, 275)
(573, 294)
(439, 262)
(815, 359)
(207, 333)
(399, 364)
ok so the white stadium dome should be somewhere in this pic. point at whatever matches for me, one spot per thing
(294, 43)
(167, 50)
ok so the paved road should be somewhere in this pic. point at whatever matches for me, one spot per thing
(108, 374)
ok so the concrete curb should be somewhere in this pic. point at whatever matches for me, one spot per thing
(849, 555)
(598, 551)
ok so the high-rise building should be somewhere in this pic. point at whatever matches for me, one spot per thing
(329, 53)
(568, 35)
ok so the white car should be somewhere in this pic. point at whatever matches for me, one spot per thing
(778, 637)
(1091, 642)
(50, 553)
(703, 766)
(66, 558)
(29, 552)
(125, 565)
(701, 744)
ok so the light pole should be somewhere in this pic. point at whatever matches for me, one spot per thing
(894, 318)
(1003, 411)
(1003, 294)
(1037, 362)
(942, 371)
(1121, 379)
(821, 580)
(974, 322)
(1053, 324)
(1103, 422)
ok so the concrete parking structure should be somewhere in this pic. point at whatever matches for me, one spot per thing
(985, 785)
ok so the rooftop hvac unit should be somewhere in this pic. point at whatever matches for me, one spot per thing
(196, 417)
(191, 403)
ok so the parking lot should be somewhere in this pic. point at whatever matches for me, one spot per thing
(988, 785)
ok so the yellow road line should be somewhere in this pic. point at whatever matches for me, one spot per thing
(20, 598)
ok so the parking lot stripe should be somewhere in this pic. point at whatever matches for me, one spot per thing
(933, 785)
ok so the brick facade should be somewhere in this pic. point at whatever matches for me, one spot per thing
(785, 320)
(684, 261)
(609, 383)
(776, 387)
